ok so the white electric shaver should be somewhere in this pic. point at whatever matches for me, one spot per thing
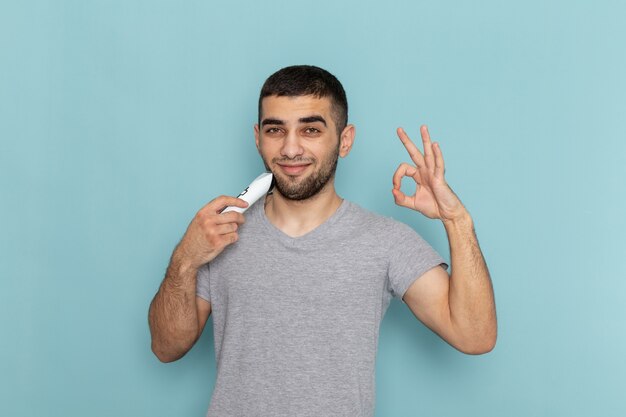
(257, 189)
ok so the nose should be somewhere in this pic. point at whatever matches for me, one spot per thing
(291, 146)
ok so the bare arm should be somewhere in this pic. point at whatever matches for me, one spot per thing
(460, 307)
(177, 316)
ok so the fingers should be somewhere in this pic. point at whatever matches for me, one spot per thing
(230, 238)
(432, 159)
(215, 224)
(428, 148)
(219, 230)
(404, 170)
(402, 199)
(216, 242)
(223, 201)
(414, 152)
(439, 165)
(209, 216)
(230, 217)
(224, 229)
(210, 232)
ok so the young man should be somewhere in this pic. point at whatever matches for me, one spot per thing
(299, 285)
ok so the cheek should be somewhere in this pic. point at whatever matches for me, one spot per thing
(263, 155)
(267, 152)
(328, 152)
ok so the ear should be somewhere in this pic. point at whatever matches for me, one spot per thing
(256, 136)
(346, 140)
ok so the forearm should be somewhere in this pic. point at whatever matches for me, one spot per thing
(173, 313)
(471, 299)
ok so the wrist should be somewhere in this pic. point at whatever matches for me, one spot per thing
(183, 262)
(460, 220)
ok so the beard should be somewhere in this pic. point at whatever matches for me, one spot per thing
(298, 189)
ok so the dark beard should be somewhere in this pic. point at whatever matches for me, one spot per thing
(311, 185)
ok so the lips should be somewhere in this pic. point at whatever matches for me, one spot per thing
(293, 169)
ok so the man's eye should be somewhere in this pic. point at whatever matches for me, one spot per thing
(272, 130)
(311, 130)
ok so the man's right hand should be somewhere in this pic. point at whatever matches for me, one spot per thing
(211, 231)
(176, 316)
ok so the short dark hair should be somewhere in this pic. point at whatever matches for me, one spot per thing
(305, 80)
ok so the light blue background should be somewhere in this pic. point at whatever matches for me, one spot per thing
(120, 119)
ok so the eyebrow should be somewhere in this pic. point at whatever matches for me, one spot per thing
(272, 122)
(308, 119)
(312, 119)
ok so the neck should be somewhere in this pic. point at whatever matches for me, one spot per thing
(297, 218)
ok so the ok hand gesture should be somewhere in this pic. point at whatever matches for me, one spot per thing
(433, 196)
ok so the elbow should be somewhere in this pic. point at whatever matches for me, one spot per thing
(479, 345)
(164, 355)
(479, 338)
(479, 348)
(169, 346)
(173, 348)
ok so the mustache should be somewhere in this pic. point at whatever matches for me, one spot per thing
(293, 160)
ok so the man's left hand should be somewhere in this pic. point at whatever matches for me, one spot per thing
(433, 196)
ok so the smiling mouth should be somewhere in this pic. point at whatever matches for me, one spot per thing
(293, 169)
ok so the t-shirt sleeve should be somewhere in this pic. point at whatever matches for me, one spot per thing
(203, 287)
(410, 256)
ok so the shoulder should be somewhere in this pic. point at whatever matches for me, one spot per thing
(254, 217)
(376, 224)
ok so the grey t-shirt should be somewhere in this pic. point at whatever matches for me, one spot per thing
(296, 320)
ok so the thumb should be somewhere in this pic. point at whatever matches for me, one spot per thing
(402, 199)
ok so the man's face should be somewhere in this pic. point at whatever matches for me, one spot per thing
(298, 142)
